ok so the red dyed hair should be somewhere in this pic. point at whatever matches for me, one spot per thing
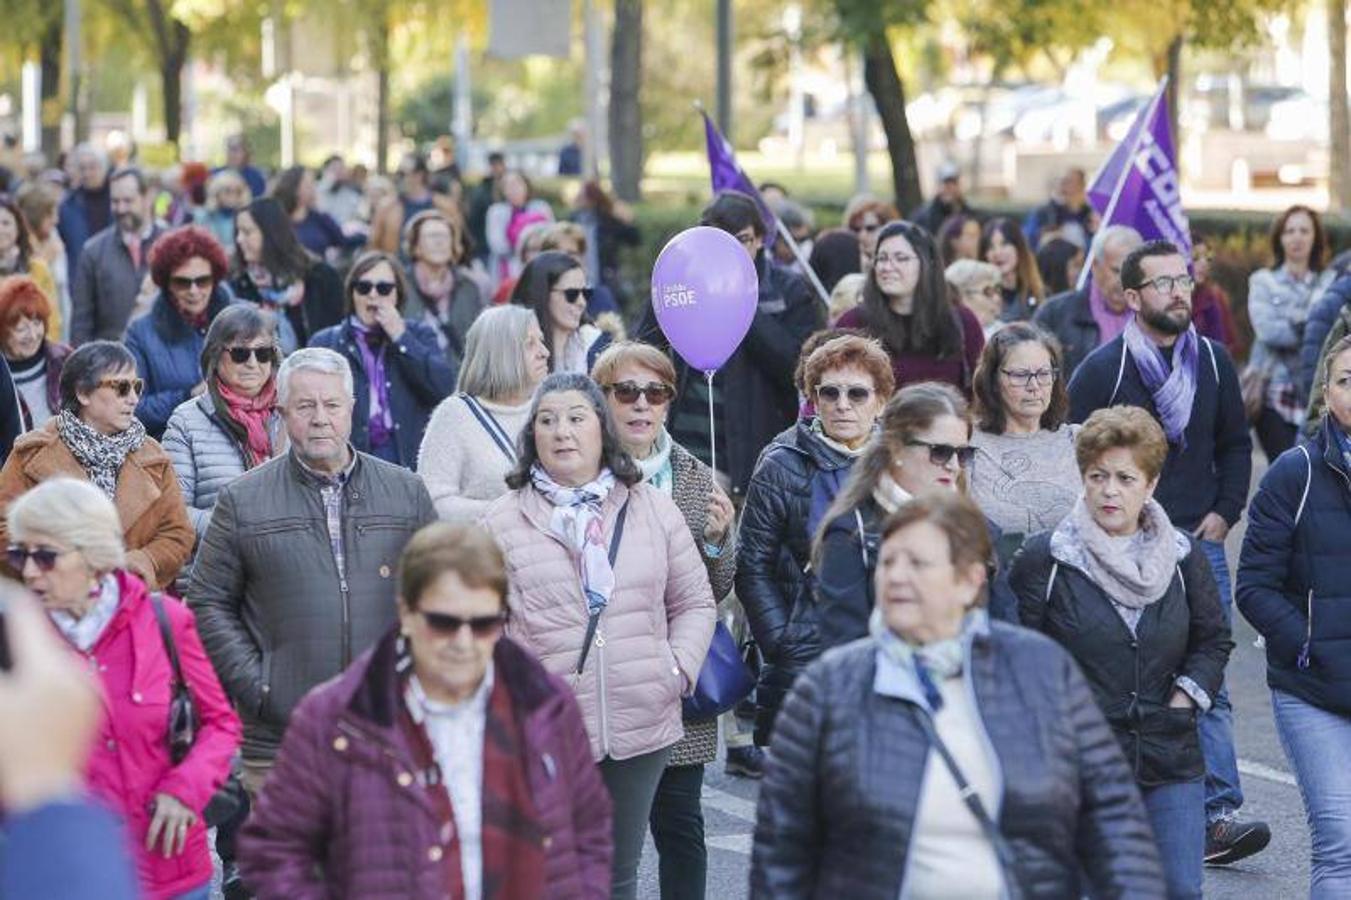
(21, 298)
(182, 244)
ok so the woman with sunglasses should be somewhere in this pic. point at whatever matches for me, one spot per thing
(234, 425)
(923, 445)
(639, 385)
(34, 361)
(271, 269)
(1003, 246)
(399, 370)
(849, 379)
(1023, 476)
(65, 542)
(554, 285)
(1133, 600)
(188, 266)
(608, 590)
(97, 437)
(451, 731)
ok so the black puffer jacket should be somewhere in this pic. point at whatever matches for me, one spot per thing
(773, 553)
(1181, 635)
(842, 786)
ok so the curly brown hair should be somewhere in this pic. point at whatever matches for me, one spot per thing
(182, 244)
(1128, 427)
(850, 350)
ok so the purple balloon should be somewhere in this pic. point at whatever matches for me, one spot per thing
(704, 292)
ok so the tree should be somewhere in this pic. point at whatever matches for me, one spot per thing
(33, 31)
(626, 113)
(167, 38)
(1339, 160)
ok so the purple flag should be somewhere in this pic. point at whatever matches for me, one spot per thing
(727, 174)
(1146, 194)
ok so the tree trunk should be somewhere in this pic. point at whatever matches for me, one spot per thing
(382, 90)
(884, 83)
(49, 54)
(626, 113)
(1173, 93)
(1339, 159)
(171, 83)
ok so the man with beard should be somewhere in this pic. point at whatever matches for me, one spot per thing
(1189, 384)
(115, 262)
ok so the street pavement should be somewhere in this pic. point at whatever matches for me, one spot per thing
(1281, 872)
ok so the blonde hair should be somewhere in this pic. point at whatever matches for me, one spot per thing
(77, 513)
(494, 366)
(966, 274)
(847, 293)
(1127, 427)
(615, 356)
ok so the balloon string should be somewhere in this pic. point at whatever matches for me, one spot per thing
(712, 433)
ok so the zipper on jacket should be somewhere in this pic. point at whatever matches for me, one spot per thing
(1302, 661)
(346, 621)
(600, 689)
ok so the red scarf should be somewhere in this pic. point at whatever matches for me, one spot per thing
(253, 413)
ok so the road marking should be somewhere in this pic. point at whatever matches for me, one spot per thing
(735, 843)
(730, 804)
(1267, 773)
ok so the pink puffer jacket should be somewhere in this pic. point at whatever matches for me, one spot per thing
(653, 635)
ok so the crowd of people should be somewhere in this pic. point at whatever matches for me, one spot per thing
(395, 560)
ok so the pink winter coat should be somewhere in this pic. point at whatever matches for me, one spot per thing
(130, 762)
(653, 635)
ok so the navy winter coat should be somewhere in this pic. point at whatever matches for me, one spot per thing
(419, 378)
(1322, 316)
(168, 353)
(1294, 573)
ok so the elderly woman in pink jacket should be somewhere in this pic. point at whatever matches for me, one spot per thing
(608, 590)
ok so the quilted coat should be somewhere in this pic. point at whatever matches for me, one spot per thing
(653, 635)
(842, 783)
(341, 816)
(168, 353)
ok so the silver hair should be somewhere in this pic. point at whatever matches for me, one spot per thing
(87, 149)
(313, 359)
(965, 274)
(74, 512)
(1110, 235)
(494, 366)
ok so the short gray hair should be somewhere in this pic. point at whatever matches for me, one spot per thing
(494, 366)
(75, 512)
(965, 274)
(1113, 234)
(314, 359)
(237, 322)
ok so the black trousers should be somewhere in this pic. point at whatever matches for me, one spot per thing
(677, 822)
(1274, 433)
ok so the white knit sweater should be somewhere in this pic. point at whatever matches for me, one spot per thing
(462, 466)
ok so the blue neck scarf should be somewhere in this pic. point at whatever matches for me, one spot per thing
(1174, 391)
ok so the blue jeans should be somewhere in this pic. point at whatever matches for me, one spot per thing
(1315, 742)
(1224, 795)
(1177, 813)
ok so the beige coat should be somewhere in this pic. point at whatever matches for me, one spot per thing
(652, 636)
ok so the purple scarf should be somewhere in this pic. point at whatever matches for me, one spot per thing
(1110, 324)
(1174, 391)
(371, 343)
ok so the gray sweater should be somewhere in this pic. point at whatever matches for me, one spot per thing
(1025, 483)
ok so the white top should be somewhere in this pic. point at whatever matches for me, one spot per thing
(455, 731)
(463, 467)
(1025, 483)
(950, 856)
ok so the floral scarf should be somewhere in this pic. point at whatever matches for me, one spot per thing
(101, 455)
(1133, 571)
(576, 521)
(253, 414)
(371, 343)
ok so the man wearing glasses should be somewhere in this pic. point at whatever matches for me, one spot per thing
(1189, 384)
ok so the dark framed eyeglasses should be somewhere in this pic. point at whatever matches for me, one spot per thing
(183, 282)
(657, 393)
(447, 625)
(1165, 284)
(264, 355)
(364, 286)
(17, 555)
(1026, 377)
(572, 295)
(124, 386)
(856, 393)
(941, 454)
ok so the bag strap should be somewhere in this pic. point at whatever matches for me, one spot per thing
(1120, 374)
(490, 425)
(969, 797)
(594, 619)
(1308, 482)
(1214, 364)
(167, 635)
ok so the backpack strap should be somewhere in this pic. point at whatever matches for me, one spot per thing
(1214, 366)
(1120, 373)
(1308, 482)
(1055, 567)
(489, 422)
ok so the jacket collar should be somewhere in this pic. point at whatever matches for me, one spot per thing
(1332, 451)
(893, 679)
(137, 488)
(173, 326)
(801, 439)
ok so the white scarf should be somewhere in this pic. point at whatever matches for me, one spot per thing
(656, 466)
(85, 631)
(890, 495)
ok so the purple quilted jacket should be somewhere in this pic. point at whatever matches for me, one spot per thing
(339, 817)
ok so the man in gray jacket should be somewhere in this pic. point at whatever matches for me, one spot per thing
(295, 576)
(114, 263)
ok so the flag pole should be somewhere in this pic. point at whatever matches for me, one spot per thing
(802, 261)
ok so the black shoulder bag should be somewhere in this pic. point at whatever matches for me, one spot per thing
(594, 620)
(184, 722)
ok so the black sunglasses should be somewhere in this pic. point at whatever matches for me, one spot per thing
(124, 386)
(446, 625)
(656, 392)
(857, 394)
(572, 295)
(941, 454)
(17, 555)
(182, 282)
(240, 355)
(364, 286)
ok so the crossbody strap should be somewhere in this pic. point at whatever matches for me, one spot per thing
(491, 425)
(594, 619)
(167, 635)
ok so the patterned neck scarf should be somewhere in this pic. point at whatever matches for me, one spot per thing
(656, 468)
(371, 343)
(1133, 571)
(1173, 391)
(101, 455)
(253, 414)
(933, 662)
(576, 521)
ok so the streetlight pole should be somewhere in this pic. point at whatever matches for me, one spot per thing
(73, 124)
(724, 110)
